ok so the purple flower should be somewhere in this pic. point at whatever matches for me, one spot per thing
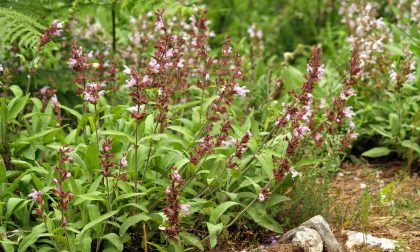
(241, 91)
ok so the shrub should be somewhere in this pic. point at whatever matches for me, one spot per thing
(165, 152)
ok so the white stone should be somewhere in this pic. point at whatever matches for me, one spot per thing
(308, 239)
(356, 239)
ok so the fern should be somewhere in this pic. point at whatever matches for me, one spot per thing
(19, 28)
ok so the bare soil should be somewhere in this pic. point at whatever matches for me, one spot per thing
(357, 191)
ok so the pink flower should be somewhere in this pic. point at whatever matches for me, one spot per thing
(130, 83)
(348, 112)
(180, 63)
(168, 190)
(176, 175)
(321, 72)
(127, 70)
(90, 55)
(231, 141)
(241, 91)
(354, 135)
(300, 131)
(35, 195)
(261, 197)
(160, 25)
(185, 208)
(54, 101)
(154, 65)
(123, 161)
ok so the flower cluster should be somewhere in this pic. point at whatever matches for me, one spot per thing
(257, 42)
(340, 110)
(229, 73)
(406, 73)
(138, 95)
(205, 145)
(299, 114)
(79, 64)
(368, 34)
(108, 164)
(159, 72)
(48, 94)
(64, 196)
(264, 194)
(171, 211)
(105, 69)
(106, 158)
(55, 29)
(93, 91)
(240, 149)
(37, 197)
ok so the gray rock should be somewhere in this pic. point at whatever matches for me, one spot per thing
(319, 224)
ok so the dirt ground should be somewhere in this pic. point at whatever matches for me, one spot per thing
(381, 200)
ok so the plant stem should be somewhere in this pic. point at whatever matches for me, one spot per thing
(136, 161)
(28, 84)
(148, 154)
(114, 40)
(145, 237)
(96, 126)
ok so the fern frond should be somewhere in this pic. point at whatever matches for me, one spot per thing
(17, 27)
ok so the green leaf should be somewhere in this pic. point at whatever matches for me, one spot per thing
(131, 221)
(128, 195)
(192, 240)
(307, 161)
(157, 246)
(93, 196)
(97, 221)
(411, 145)
(149, 125)
(214, 230)
(115, 133)
(32, 237)
(266, 162)
(42, 134)
(276, 199)
(394, 124)
(14, 204)
(16, 90)
(257, 188)
(260, 216)
(16, 106)
(220, 209)
(115, 240)
(184, 131)
(380, 130)
(3, 177)
(72, 111)
(92, 157)
(376, 152)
